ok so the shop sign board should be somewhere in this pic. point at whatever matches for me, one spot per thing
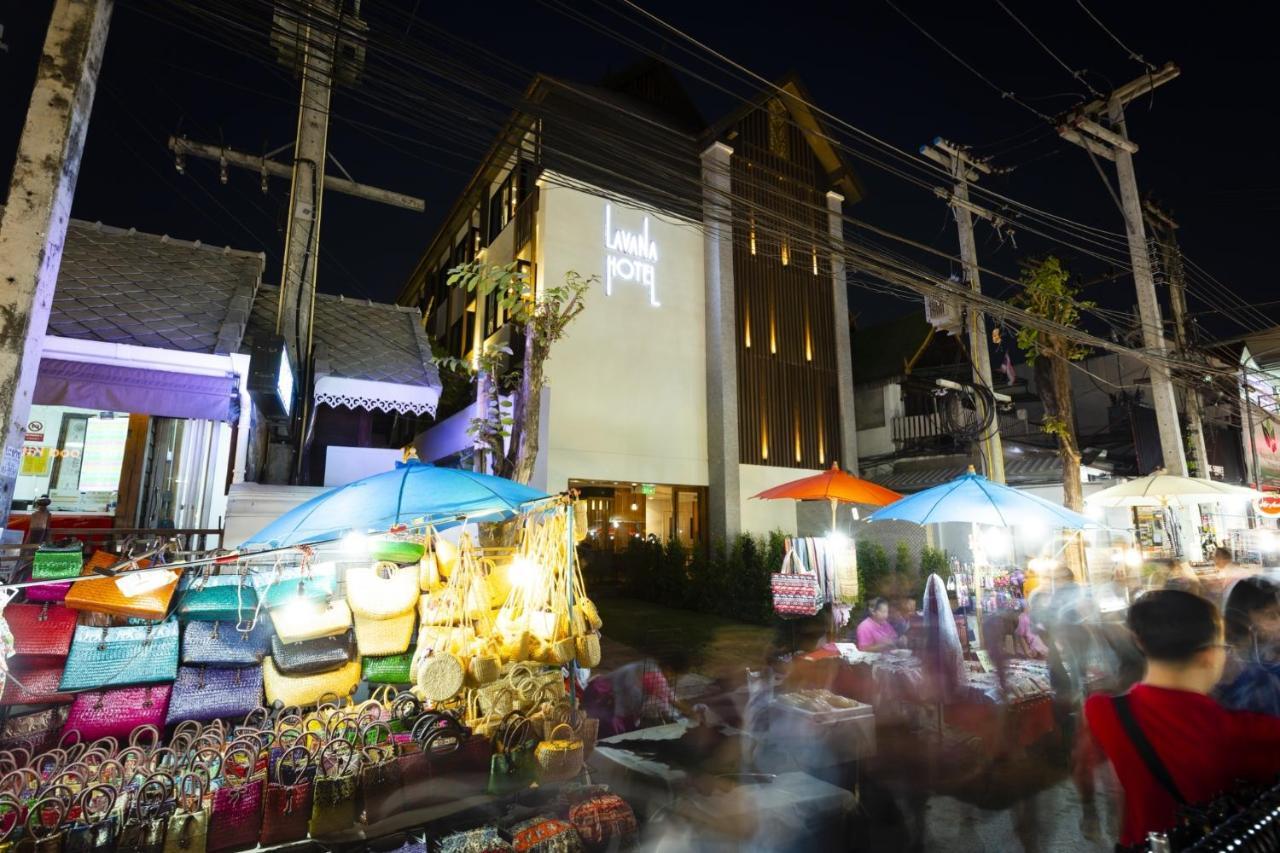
(632, 257)
(1269, 505)
(1266, 445)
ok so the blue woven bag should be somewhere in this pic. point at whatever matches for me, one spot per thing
(223, 644)
(114, 657)
(203, 693)
(316, 583)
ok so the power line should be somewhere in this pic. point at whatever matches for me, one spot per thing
(1134, 55)
(1078, 75)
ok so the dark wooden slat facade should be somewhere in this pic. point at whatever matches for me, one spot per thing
(788, 411)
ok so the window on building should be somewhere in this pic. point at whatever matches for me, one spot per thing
(619, 513)
(868, 407)
(74, 456)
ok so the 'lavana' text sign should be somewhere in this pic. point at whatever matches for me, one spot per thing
(632, 256)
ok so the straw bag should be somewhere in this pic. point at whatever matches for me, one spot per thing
(308, 689)
(439, 676)
(383, 607)
(559, 758)
(104, 595)
(588, 650)
(309, 620)
(484, 666)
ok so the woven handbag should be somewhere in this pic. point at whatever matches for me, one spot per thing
(796, 593)
(96, 826)
(605, 822)
(317, 582)
(34, 732)
(383, 598)
(54, 591)
(311, 657)
(109, 657)
(224, 644)
(396, 551)
(545, 835)
(235, 813)
(116, 713)
(202, 693)
(219, 598)
(103, 595)
(189, 825)
(42, 633)
(306, 619)
(513, 766)
(381, 791)
(287, 807)
(560, 758)
(308, 689)
(34, 684)
(439, 677)
(333, 802)
(57, 564)
(388, 669)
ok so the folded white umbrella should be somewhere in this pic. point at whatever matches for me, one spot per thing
(1161, 489)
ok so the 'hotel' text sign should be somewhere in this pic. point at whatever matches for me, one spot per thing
(632, 256)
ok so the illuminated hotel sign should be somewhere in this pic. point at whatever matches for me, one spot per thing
(632, 256)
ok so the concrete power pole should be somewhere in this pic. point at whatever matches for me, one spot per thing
(1084, 127)
(964, 169)
(1164, 229)
(33, 226)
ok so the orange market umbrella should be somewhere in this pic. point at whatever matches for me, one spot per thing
(835, 486)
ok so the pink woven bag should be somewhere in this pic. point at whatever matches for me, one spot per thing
(116, 713)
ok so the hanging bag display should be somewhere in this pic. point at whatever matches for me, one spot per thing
(388, 669)
(224, 644)
(383, 598)
(307, 582)
(53, 563)
(324, 654)
(287, 808)
(42, 633)
(107, 657)
(203, 693)
(796, 593)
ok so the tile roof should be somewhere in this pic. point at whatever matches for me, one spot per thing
(1019, 470)
(359, 339)
(122, 286)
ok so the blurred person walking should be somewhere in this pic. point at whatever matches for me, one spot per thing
(1251, 616)
(1168, 740)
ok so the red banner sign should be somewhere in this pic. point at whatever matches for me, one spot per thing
(1269, 504)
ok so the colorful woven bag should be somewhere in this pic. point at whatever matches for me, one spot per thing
(795, 592)
(42, 633)
(34, 684)
(202, 693)
(116, 713)
(605, 822)
(545, 835)
(104, 595)
(383, 598)
(219, 598)
(110, 657)
(223, 643)
(56, 564)
(308, 689)
(388, 669)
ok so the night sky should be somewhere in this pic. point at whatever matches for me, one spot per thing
(1204, 137)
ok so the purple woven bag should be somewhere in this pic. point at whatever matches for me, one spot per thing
(48, 592)
(235, 819)
(202, 693)
(116, 713)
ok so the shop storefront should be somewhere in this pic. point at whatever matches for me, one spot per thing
(620, 512)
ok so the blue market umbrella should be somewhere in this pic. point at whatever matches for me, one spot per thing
(974, 499)
(412, 491)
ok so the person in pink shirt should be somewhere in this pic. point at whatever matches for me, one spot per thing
(874, 633)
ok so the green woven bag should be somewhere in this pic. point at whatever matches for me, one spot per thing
(388, 669)
(56, 564)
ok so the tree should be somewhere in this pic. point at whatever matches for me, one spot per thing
(1047, 292)
(505, 432)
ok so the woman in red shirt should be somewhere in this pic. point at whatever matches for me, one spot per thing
(1197, 748)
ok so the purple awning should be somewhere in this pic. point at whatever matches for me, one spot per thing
(136, 390)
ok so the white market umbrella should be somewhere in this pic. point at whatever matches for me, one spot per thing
(1166, 490)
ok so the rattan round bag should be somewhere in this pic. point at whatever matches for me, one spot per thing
(440, 676)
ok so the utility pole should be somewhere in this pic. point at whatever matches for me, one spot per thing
(1164, 228)
(33, 226)
(964, 169)
(1084, 127)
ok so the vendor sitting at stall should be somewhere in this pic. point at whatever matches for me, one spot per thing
(874, 633)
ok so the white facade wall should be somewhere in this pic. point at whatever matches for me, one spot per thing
(628, 379)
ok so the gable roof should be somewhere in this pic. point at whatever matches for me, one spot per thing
(797, 100)
(122, 286)
(360, 340)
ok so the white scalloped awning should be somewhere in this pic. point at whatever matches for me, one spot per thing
(377, 396)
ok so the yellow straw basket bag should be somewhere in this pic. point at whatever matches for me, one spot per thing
(560, 757)
(383, 598)
(301, 690)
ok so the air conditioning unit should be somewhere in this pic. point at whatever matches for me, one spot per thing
(943, 313)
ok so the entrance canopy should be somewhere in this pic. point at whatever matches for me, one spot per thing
(121, 388)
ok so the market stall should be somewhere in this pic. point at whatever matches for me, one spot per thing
(362, 669)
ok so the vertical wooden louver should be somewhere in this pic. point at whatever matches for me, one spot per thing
(787, 411)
